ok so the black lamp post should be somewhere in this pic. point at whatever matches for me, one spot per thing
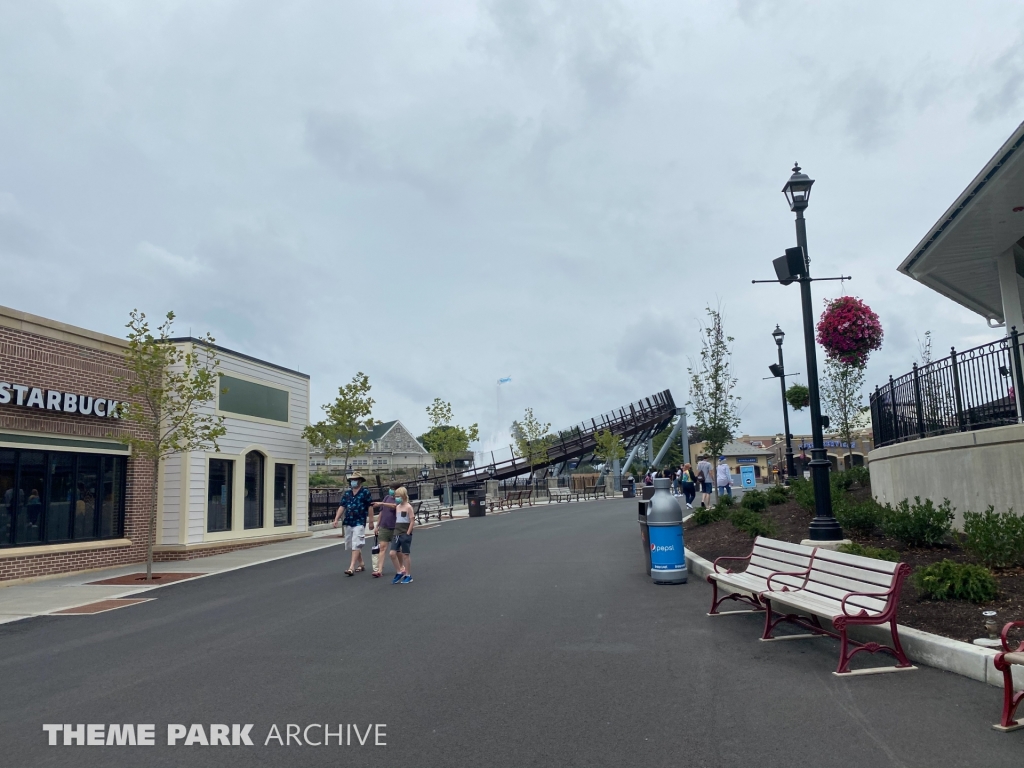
(780, 371)
(824, 527)
(424, 473)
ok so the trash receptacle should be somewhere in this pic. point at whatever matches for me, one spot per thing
(475, 498)
(629, 489)
(664, 533)
(645, 537)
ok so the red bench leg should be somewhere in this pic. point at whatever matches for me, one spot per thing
(1011, 700)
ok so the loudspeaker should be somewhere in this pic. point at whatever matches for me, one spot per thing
(791, 266)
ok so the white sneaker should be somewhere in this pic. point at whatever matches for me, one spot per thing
(689, 506)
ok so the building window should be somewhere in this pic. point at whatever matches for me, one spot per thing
(253, 512)
(251, 399)
(282, 494)
(218, 495)
(52, 497)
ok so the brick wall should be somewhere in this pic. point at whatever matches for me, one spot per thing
(38, 361)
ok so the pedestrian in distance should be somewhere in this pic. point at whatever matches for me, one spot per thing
(705, 479)
(385, 528)
(689, 484)
(401, 544)
(724, 478)
(357, 507)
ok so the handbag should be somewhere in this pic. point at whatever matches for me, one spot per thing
(375, 553)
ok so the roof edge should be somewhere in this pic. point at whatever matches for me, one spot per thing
(233, 353)
(54, 329)
(992, 167)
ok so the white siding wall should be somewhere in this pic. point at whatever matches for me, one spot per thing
(278, 442)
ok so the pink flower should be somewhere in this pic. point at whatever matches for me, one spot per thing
(849, 330)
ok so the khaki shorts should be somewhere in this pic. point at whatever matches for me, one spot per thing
(384, 534)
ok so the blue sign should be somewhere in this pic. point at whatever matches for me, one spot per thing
(746, 459)
(747, 476)
(667, 548)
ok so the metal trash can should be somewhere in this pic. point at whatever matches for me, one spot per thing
(645, 534)
(663, 531)
(629, 490)
(475, 498)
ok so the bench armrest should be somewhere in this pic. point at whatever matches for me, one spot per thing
(1006, 631)
(719, 559)
(862, 612)
(785, 588)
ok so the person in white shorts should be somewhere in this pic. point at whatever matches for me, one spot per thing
(357, 505)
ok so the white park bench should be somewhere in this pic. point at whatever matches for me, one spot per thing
(767, 557)
(558, 495)
(1004, 662)
(849, 590)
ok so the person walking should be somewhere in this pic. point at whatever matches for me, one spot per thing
(689, 484)
(357, 505)
(705, 479)
(401, 544)
(385, 528)
(724, 478)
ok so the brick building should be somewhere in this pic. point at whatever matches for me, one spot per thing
(72, 497)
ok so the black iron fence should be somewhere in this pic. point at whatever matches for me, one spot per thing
(968, 390)
(324, 502)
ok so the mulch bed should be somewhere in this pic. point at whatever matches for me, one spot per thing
(956, 619)
(140, 578)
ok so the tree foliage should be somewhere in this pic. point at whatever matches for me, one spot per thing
(446, 441)
(609, 448)
(715, 410)
(170, 388)
(842, 397)
(343, 431)
(532, 439)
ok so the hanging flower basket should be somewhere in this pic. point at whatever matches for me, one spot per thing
(798, 397)
(849, 330)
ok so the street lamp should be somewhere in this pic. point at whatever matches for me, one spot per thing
(424, 473)
(824, 527)
(780, 371)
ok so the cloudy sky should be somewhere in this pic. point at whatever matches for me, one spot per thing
(444, 193)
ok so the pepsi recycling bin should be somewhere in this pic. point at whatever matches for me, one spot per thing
(662, 534)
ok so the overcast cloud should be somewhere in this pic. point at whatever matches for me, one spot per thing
(443, 193)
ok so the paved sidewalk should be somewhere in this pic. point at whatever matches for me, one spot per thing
(49, 596)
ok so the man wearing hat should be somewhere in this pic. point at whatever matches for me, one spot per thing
(357, 504)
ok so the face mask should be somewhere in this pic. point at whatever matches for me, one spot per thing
(354, 483)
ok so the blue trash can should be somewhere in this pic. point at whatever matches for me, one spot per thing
(664, 528)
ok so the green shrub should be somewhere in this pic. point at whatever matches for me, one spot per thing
(956, 581)
(853, 548)
(752, 523)
(725, 501)
(754, 500)
(859, 475)
(803, 492)
(918, 524)
(841, 481)
(706, 515)
(995, 539)
(863, 518)
(777, 494)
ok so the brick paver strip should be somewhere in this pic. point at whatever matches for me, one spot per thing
(105, 605)
(140, 578)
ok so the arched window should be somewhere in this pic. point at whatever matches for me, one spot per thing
(253, 506)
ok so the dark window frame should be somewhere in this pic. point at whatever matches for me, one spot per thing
(261, 488)
(290, 480)
(47, 456)
(230, 505)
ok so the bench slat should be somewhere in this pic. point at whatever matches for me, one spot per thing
(826, 592)
(845, 584)
(856, 561)
(780, 558)
(877, 578)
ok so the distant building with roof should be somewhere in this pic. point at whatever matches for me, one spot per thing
(393, 448)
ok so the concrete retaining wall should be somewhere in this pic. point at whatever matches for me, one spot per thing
(971, 469)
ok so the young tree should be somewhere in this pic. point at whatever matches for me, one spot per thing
(842, 399)
(715, 412)
(344, 430)
(169, 390)
(532, 439)
(609, 449)
(445, 441)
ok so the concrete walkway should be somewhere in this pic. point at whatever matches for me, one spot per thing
(48, 596)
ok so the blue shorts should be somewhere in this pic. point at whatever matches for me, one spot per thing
(705, 487)
(402, 542)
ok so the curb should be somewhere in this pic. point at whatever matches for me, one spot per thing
(921, 647)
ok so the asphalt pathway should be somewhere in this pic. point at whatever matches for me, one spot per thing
(527, 639)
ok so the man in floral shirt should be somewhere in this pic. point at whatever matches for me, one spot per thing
(356, 504)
